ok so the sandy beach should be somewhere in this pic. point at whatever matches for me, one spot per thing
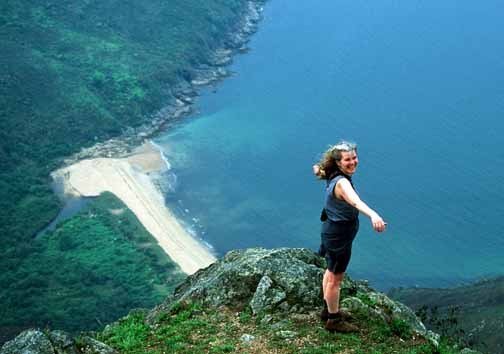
(128, 179)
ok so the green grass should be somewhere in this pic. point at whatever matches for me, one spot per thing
(191, 328)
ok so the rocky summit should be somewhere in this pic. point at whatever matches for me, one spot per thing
(286, 280)
(266, 280)
(253, 300)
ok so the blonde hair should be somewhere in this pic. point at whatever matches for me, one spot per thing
(328, 163)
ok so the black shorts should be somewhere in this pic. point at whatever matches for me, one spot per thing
(336, 245)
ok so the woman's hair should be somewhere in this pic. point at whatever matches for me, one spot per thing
(327, 164)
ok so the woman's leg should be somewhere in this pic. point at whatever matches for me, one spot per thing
(324, 283)
(331, 285)
(337, 321)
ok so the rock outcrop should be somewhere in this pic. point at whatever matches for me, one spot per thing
(268, 283)
(286, 280)
(36, 341)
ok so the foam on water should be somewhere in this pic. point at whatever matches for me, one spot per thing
(163, 156)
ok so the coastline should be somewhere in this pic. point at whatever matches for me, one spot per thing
(128, 179)
(122, 165)
(182, 95)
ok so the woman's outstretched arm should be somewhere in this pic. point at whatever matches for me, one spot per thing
(345, 191)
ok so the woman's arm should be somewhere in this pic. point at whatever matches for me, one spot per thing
(345, 191)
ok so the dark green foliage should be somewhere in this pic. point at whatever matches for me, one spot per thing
(73, 73)
(445, 322)
(400, 328)
(471, 313)
(92, 269)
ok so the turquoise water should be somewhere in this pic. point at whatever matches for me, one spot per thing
(419, 85)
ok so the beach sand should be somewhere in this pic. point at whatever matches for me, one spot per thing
(128, 179)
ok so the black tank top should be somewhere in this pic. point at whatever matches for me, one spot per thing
(337, 209)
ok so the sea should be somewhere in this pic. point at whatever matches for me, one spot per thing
(418, 85)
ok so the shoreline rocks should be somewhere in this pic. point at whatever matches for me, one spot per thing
(181, 96)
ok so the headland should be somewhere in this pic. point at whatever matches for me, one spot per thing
(128, 178)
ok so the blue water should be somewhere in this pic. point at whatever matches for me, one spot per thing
(419, 85)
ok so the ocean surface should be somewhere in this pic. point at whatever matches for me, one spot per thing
(419, 85)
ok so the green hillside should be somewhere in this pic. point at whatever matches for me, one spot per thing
(93, 268)
(474, 313)
(76, 72)
(73, 73)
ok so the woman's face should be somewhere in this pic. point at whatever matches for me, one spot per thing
(348, 163)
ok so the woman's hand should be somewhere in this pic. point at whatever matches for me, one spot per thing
(378, 223)
(345, 191)
(316, 170)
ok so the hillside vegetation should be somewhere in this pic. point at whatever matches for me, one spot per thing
(92, 269)
(73, 73)
(76, 72)
(473, 313)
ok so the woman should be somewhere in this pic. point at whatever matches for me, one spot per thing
(340, 226)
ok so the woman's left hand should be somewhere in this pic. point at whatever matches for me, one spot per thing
(378, 223)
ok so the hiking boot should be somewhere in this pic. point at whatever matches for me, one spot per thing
(343, 314)
(324, 315)
(341, 326)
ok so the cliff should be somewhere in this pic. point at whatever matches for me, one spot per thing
(253, 301)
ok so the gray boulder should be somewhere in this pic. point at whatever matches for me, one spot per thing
(63, 343)
(31, 341)
(35, 341)
(266, 296)
(355, 305)
(284, 280)
(264, 279)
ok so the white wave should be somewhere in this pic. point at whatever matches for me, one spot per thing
(163, 156)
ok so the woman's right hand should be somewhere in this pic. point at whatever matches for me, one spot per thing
(378, 224)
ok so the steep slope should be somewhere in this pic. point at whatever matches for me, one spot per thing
(474, 313)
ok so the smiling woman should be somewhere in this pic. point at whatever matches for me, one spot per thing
(340, 226)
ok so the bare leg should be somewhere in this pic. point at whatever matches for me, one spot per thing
(331, 284)
(324, 283)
